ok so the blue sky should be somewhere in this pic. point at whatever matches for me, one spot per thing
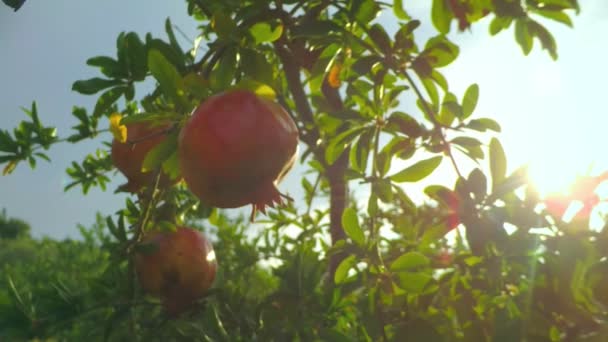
(552, 113)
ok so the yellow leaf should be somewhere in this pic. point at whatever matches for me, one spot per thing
(119, 131)
(9, 167)
(334, 75)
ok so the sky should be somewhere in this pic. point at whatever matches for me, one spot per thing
(552, 112)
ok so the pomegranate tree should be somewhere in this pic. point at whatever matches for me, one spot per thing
(128, 157)
(178, 267)
(236, 148)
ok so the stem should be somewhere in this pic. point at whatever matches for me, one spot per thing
(152, 135)
(373, 220)
(433, 118)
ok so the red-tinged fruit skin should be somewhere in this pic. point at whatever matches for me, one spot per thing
(128, 157)
(179, 267)
(236, 148)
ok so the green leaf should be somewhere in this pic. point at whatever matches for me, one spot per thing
(315, 28)
(363, 65)
(380, 38)
(264, 33)
(399, 11)
(546, 38)
(255, 65)
(414, 282)
(365, 11)
(225, 70)
(338, 144)
(258, 88)
(484, 124)
(93, 85)
(136, 57)
(477, 183)
(107, 99)
(223, 24)
(171, 35)
(440, 51)
(168, 78)
(469, 100)
(522, 36)
(466, 141)
(350, 223)
(109, 66)
(410, 261)
(556, 15)
(441, 16)
(359, 152)
(160, 153)
(343, 268)
(499, 23)
(171, 166)
(405, 123)
(498, 162)
(418, 171)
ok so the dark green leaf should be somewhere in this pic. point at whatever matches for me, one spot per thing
(159, 154)
(363, 65)
(168, 78)
(109, 66)
(223, 24)
(93, 85)
(171, 35)
(224, 72)
(107, 99)
(136, 57)
(380, 38)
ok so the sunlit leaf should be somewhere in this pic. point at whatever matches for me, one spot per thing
(469, 100)
(418, 171)
(264, 32)
(343, 268)
(350, 223)
(409, 261)
(498, 162)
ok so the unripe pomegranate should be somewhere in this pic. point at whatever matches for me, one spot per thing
(129, 156)
(235, 149)
(178, 267)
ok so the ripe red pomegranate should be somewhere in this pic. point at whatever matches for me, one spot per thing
(129, 156)
(236, 148)
(179, 268)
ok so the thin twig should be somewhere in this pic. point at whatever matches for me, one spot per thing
(433, 118)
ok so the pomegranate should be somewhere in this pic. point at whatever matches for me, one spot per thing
(129, 156)
(236, 148)
(179, 268)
